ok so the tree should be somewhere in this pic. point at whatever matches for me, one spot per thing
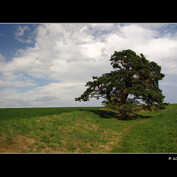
(134, 78)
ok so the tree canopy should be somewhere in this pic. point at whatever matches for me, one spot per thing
(133, 78)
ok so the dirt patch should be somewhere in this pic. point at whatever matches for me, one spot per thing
(17, 144)
(113, 140)
(49, 150)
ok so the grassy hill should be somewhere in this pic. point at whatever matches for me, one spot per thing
(86, 130)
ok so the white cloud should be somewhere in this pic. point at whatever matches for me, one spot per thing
(57, 49)
(21, 30)
(19, 34)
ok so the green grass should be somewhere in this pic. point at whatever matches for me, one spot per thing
(18, 113)
(86, 130)
(157, 135)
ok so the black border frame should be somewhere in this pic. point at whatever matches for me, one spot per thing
(88, 13)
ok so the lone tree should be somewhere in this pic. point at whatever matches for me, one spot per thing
(134, 78)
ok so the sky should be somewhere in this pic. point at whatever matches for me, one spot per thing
(48, 64)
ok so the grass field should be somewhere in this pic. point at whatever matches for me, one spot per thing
(86, 130)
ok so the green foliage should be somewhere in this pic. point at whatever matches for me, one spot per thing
(133, 76)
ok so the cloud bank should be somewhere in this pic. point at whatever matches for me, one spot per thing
(66, 56)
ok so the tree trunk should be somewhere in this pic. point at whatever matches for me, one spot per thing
(123, 112)
(122, 109)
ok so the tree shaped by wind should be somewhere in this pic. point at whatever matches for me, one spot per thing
(133, 78)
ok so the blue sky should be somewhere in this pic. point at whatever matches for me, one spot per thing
(46, 65)
(10, 40)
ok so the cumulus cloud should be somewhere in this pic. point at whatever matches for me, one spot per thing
(60, 45)
(73, 53)
(59, 49)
